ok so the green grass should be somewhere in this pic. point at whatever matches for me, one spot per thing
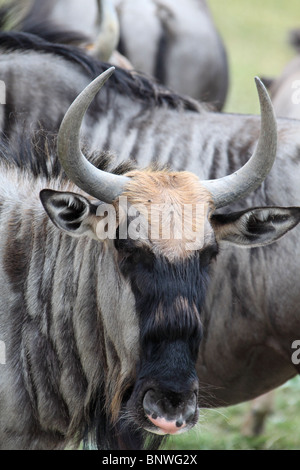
(255, 34)
(220, 429)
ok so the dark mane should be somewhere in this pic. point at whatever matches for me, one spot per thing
(33, 18)
(36, 155)
(132, 84)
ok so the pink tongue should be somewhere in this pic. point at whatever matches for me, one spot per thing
(168, 427)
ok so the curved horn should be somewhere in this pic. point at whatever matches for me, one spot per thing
(242, 182)
(100, 184)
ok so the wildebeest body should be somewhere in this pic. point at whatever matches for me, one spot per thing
(234, 377)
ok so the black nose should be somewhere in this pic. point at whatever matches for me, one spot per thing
(169, 411)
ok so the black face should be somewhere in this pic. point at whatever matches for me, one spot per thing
(169, 297)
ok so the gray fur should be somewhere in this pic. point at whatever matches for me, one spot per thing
(43, 270)
(178, 43)
(251, 316)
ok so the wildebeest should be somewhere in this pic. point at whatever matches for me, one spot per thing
(285, 90)
(245, 346)
(159, 37)
(163, 37)
(95, 20)
(92, 25)
(261, 408)
(93, 323)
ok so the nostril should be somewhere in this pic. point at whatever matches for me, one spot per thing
(170, 412)
(190, 407)
(151, 404)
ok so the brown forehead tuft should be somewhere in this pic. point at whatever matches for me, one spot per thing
(154, 187)
(179, 190)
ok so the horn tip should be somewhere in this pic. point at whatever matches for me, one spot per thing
(108, 72)
(261, 88)
(263, 92)
(258, 82)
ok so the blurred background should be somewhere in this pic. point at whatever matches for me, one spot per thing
(224, 428)
(255, 34)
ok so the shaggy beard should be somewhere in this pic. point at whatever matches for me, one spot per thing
(125, 434)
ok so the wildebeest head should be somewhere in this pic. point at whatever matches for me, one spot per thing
(163, 277)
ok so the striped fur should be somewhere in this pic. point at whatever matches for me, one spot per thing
(51, 315)
(132, 116)
(73, 342)
(187, 135)
(252, 343)
(169, 34)
(90, 326)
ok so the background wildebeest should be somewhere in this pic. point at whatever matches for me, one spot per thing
(109, 331)
(159, 37)
(163, 37)
(92, 25)
(285, 90)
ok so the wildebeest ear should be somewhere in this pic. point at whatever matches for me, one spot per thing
(70, 212)
(255, 227)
